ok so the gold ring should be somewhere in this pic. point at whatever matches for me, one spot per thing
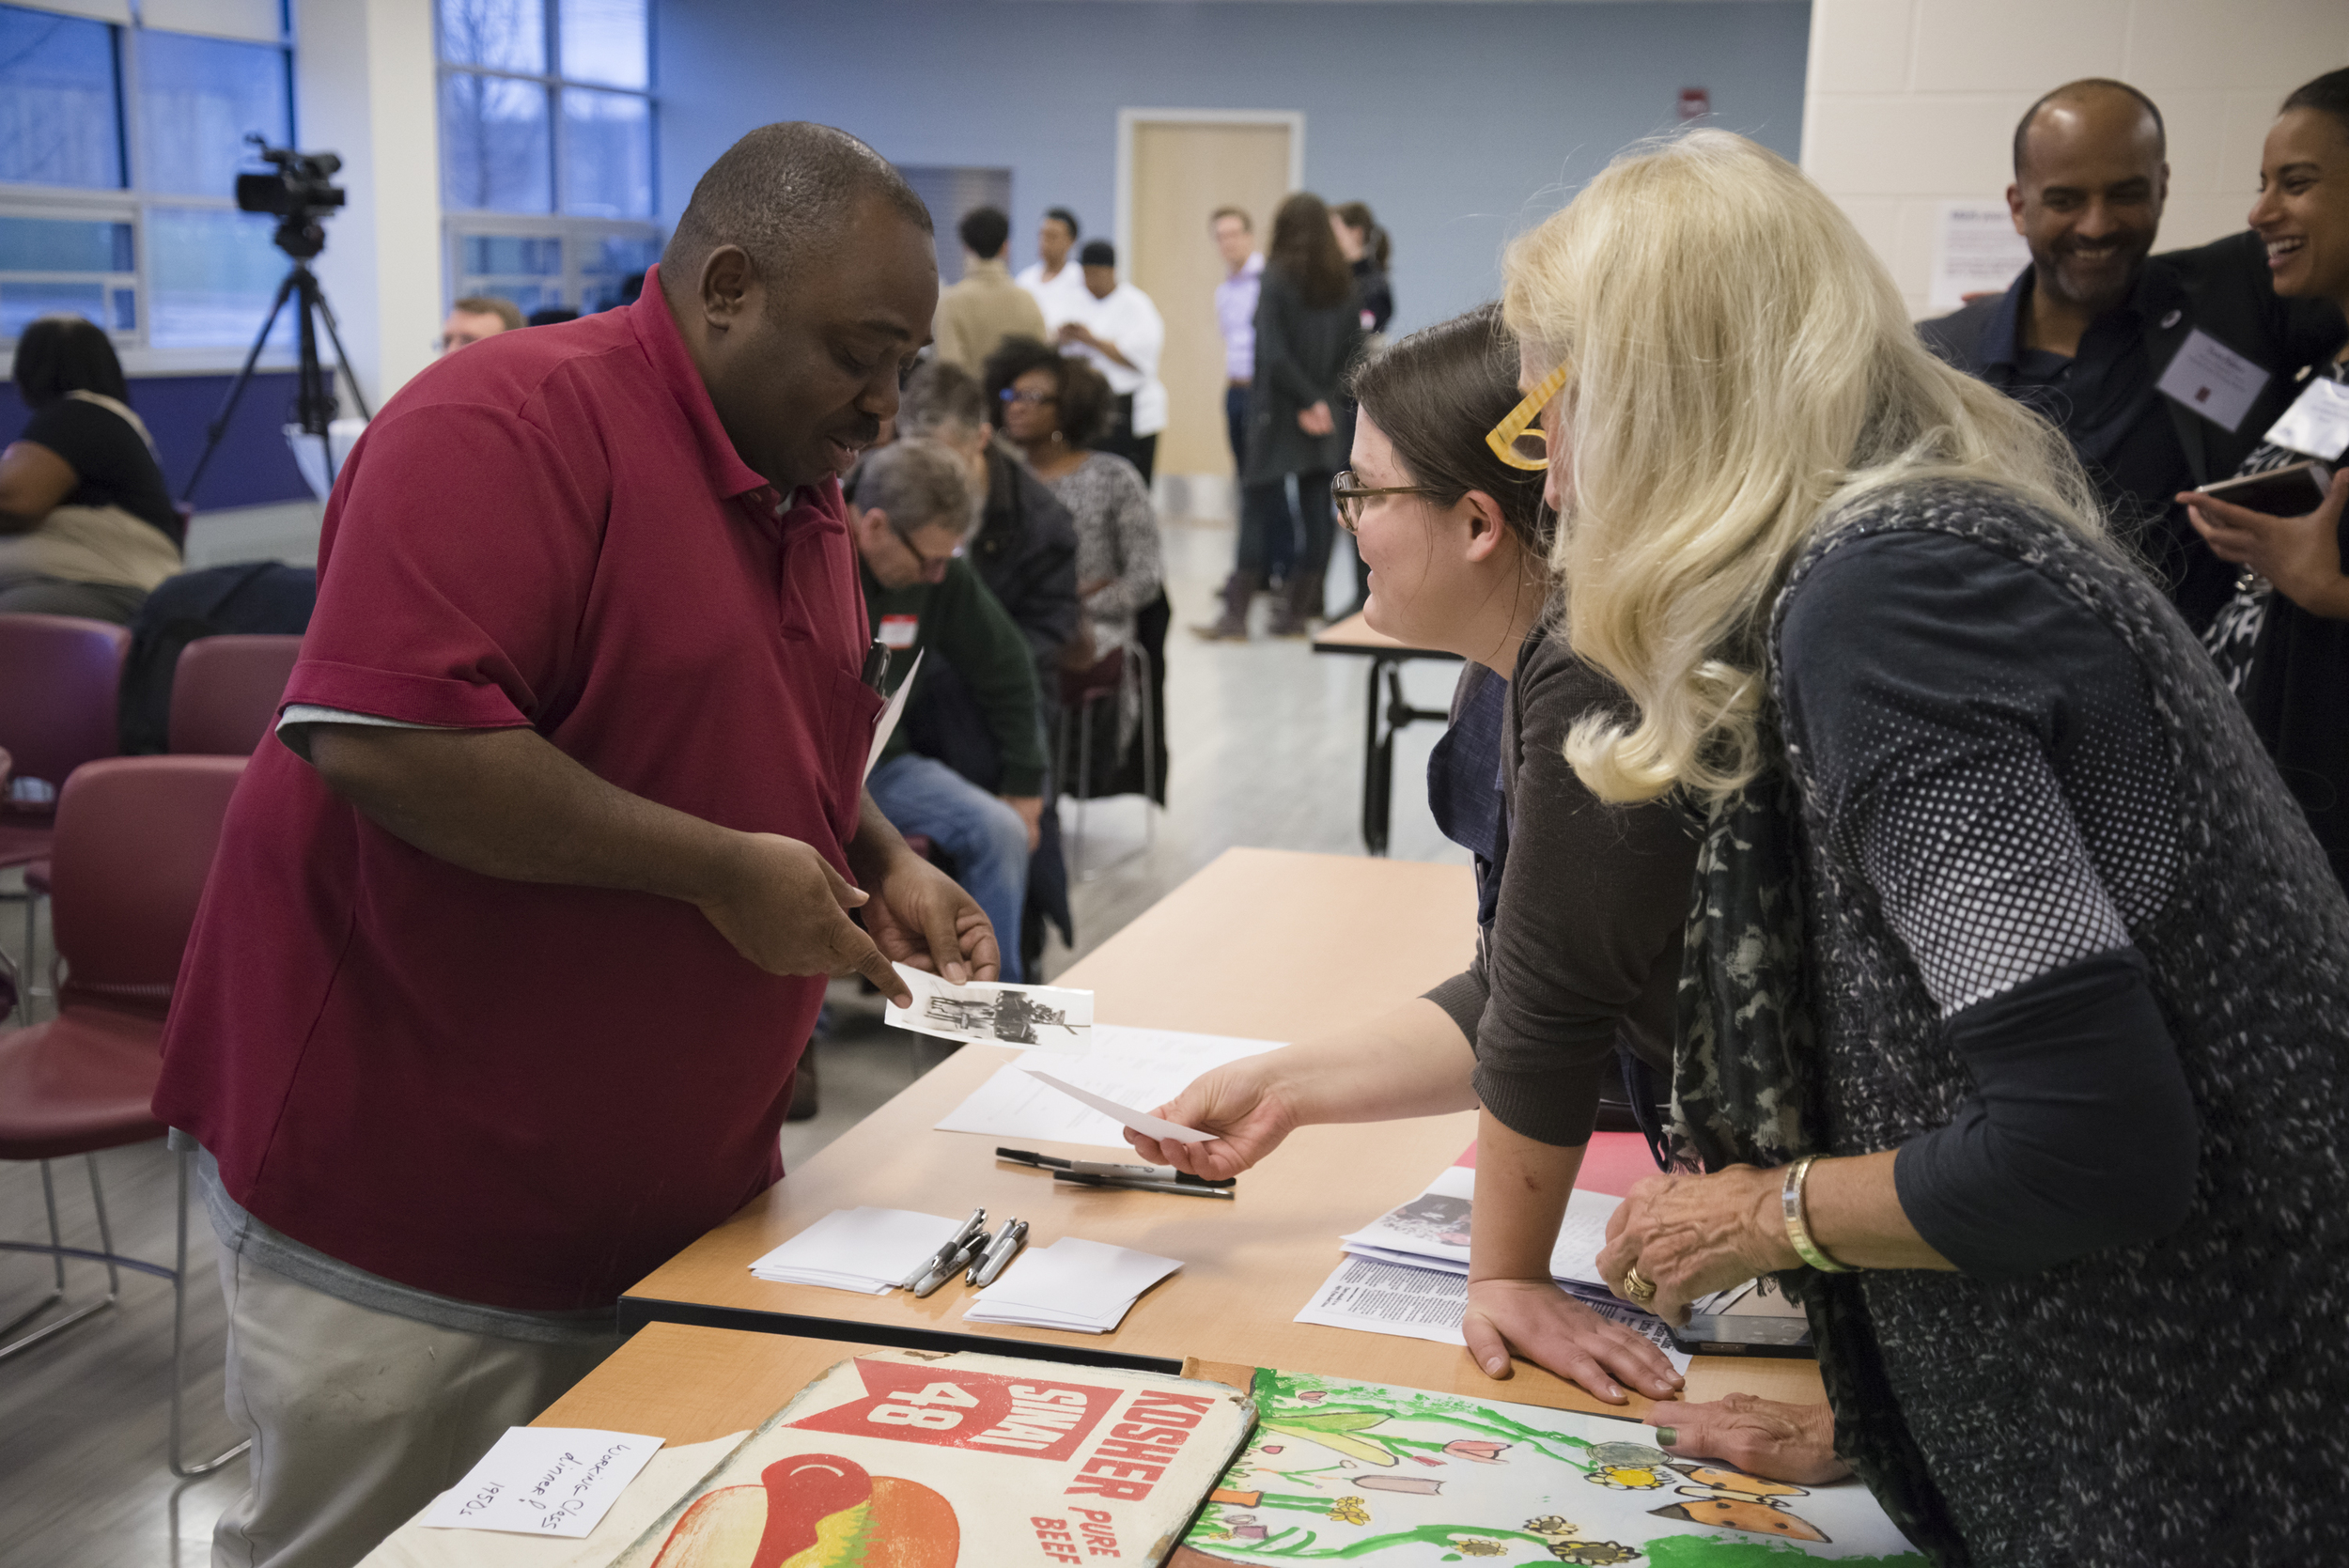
(1636, 1285)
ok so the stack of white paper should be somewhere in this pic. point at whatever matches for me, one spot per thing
(1432, 1232)
(1416, 1301)
(1081, 1286)
(865, 1249)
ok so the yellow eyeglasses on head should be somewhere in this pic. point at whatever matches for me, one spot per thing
(1518, 440)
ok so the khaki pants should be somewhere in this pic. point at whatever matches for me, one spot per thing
(360, 1418)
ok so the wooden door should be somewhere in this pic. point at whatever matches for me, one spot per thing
(1183, 170)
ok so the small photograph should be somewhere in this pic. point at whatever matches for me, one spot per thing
(1036, 1018)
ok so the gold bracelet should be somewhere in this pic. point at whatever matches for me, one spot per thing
(1797, 1228)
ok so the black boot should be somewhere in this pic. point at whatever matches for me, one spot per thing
(1232, 625)
(1302, 602)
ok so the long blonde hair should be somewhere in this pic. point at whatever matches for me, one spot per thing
(1742, 367)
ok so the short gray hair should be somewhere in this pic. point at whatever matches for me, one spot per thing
(940, 396)
(917, 483)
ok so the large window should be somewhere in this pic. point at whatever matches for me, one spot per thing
(119, 149)
(545, 149)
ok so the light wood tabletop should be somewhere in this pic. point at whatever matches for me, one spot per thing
(1262, 944)
(688, 1385)
(1355, 634)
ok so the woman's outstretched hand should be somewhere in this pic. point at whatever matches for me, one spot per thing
(1239, 1104)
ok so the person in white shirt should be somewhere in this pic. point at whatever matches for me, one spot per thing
(1121, 332)
(1057, 287)
(1236, 316)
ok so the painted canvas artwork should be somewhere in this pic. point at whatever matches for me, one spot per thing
(925, 1459)
(1342, 1472)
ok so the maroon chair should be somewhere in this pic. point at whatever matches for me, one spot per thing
(1080, 691)
(58, 675)
(135, 841)
(224, 694)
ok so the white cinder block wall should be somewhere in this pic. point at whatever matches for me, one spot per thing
(1912, 103)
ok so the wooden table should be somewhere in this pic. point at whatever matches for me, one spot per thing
(1354, 636)
(688, 1385)
(1262, 943)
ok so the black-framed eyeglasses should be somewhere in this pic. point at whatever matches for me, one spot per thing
(1011, 395)
(1350, 497)
(931, 563)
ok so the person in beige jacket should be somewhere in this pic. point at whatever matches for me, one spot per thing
(976, 315)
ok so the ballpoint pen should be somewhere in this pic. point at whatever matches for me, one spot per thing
(1117, 1173)
(964, 1231)
(947, 1268)
(1182, 1189)
(999, 1253)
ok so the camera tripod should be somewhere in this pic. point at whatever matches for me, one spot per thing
(314, 397)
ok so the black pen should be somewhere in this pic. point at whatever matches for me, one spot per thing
(1183, 1189)
(876, 664)
(1115, 1172)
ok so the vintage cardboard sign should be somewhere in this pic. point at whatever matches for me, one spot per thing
(924, 1459)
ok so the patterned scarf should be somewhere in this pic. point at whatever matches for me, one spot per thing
(1745, 1076)
(1746, 1091)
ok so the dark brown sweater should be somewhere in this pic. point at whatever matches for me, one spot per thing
(1584, 946)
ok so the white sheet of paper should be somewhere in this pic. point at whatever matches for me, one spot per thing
(858, 1247)
(1133, 1066)
(1079, 1277)
(2213, 379)
(2318, 421)
(885, 723)
(1975, 251)
(667, 1477)
(543, 1481)
(1054, 1018)
(1083, 1286)
(1380, 1297)
(1124, 1115)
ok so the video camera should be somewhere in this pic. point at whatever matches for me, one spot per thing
(299, 193)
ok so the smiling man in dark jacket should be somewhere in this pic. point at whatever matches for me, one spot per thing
(2163, 371)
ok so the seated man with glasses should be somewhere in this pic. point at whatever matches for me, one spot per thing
(915, 510)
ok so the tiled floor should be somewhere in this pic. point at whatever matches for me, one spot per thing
(1266, 742)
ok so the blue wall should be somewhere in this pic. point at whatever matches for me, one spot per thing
(253, 465)
(1460, 124)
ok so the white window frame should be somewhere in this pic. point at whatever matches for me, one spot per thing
(129, 204)
(578, 234)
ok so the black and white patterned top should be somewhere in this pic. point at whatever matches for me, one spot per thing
(1995, 770)
(2233, 637)
(1117, 539)
(1993, 763)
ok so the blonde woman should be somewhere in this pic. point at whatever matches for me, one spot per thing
(2015, 1024)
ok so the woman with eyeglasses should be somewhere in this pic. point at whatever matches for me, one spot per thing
(1579, 905)
(1054, 408)
(2016, 1042)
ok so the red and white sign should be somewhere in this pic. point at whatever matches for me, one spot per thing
(959, 1408)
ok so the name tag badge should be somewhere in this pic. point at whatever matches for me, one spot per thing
(2213, 379)
(898, 631)
(2318, 421)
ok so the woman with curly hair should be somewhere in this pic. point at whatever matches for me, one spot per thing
(1054, 408)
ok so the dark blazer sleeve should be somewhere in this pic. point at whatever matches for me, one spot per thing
(1957, 336)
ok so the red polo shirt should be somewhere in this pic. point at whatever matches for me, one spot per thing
(524, 1095)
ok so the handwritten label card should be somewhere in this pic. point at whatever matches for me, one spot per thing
(543, 1481)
